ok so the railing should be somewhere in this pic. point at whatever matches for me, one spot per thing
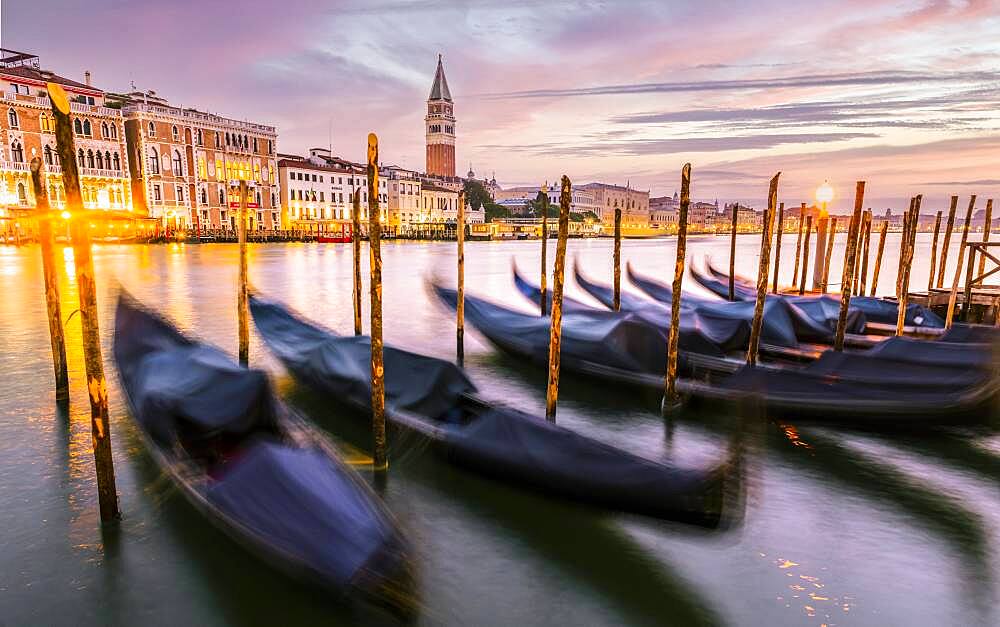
(79, 107)
(111, 174)
(16, 166)
(971, 277)
(198, 115)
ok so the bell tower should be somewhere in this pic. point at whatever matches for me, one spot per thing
(440, 127)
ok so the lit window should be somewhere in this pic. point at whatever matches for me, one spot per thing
(45, 122)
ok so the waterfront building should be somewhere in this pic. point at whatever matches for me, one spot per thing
(439, 125)
(634, 204)
(185, 161)
(28, 131)
(663, 212)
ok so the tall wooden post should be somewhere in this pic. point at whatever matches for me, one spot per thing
(866, 253)
(379, 459)
(829, 255)
(97, 386)
(858, 235)
(356, 244)
(878, 255)
(903, 240)
(777, 245)
(958, 268)
(822, 222)
(765, 262)
(805, 256)
(543, 301)
(732, 252)
(616, 298)
(798, 245)
(947, 240)
(850, 259)
(671, 400)
(460, 308)
(242, 302)
(47, 241)
(986, 233)
(906, 261)
(934, 244)
(558, 275)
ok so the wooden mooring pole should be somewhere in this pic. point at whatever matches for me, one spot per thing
(878, 255)
(732, 253)
(777, 245)
(52, 307)
(847, 276)
(242, 301)
(903, 239)
(953, 297)
(460, 307)
(97, 386)
(798, 245)
(543, 300)
(558, 275)
(865, 254)
(805, 256)
(828, 257)
(934, 245)
(356, 244)
(765, 263)
(987, 220)
(906, 261)
(947, 240)
(616, 298)
(671, 400)
(379, 460)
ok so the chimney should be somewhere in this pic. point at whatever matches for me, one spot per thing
(86, 78)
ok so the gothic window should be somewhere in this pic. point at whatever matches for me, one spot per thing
(152, 130)
(178, 167)
(90, 158)
(174, 132)
(105, 133)
(81, 158)
(228, 140)
(107, 159)
(16, 152)
(45, 123)
(12, 117)
(78, 126)
(22, 194)
(154, 161)
(100, 160)
(114, 131)
(47, 152)
(117, 162)
(255, 144)
(204, 196)
(201, 139)
(86, 128)
(218, 139)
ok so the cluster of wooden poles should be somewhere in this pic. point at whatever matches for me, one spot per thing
(852, 282)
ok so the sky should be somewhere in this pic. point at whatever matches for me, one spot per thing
(904, 94)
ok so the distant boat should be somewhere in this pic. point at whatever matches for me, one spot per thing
(257, 471)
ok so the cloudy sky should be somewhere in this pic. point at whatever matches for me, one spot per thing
(902, 93)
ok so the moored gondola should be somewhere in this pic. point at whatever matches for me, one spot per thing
(434, 398)
(253, 468)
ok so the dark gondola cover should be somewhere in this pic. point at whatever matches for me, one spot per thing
(259, 473)
(941, 353)
(433, 397)
(972, 334)
(877, 310)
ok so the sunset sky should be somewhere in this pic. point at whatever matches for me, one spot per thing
(905, 94)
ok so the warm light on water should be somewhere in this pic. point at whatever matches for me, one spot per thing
(838, 527)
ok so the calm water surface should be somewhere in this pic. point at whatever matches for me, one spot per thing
(836, 527)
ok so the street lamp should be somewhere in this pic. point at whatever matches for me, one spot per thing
(824, 194)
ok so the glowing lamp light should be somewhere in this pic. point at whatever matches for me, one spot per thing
(65, 215)
(103, 199)
(824, 193)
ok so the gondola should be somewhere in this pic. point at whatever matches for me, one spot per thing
(253, 468)
(865, 389)
(880, 314)
(435, 399)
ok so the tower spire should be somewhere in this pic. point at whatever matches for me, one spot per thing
(440, 91)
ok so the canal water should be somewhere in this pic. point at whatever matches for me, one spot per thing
(834, 527)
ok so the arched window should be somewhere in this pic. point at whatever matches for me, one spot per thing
(218, 139)
(86, 128)
(114, 131)
(152, 130)
(154, 161)
(78, 126)
(100, 160)
(47, 152)
(173, 131)
(107, 159)
(117, 162)
(22, 194)
(12, 117)
(177, 164)
(104, 130)
(228, 140)
(90, 158)
(201, 139)
(204, 196)
(16, 152)
(81, 158)
(45, 122)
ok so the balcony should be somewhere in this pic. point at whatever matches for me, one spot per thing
(107, 174)
(15, 166)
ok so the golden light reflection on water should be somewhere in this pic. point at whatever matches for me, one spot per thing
(807, 593)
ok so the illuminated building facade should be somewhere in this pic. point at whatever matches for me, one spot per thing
(28, 131)
(184, 163)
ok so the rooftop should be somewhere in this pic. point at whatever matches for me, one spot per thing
(440, 91)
